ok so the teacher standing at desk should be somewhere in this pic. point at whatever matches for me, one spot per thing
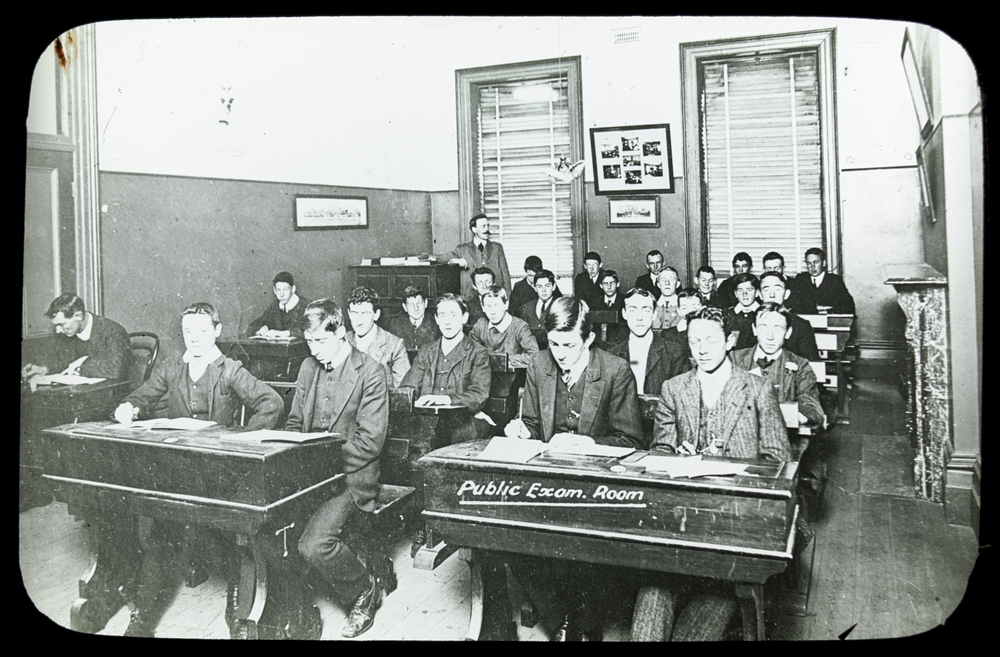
(480, 252)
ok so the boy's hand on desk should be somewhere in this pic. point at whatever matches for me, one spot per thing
(461, 262)
(570, 440)
(516, 429)
(126, 412)
(433, 400)
(31, 370)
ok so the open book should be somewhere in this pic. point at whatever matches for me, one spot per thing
(275, 436)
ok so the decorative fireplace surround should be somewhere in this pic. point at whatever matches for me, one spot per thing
(922, 293)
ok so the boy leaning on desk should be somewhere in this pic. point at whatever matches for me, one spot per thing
(204, 385)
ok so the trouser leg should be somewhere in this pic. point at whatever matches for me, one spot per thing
(322, 546)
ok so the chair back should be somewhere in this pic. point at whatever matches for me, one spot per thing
(145, 347)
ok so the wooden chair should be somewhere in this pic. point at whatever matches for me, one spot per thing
(370, 534)
(145, 347)
(506, 383)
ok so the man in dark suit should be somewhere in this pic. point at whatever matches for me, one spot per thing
(480, 252)
(80, 333)
(801, 300)
(705, 282)
(586, 284)
(574, 395)
(341, 390)
(742, 264)
(524, 289)
(715, 409)
(688, 302)
(482, 280)
(654, 263)
(829, 289)
(652, 360)
(774, 289)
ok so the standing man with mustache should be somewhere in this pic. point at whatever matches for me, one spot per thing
(480, 252)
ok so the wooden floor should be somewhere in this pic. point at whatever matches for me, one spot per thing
(885, 563)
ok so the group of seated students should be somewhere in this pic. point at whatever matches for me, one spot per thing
(574, 392)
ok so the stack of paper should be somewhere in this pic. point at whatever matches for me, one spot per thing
(511, 450)
(591, 450)
(182, 423)
(690, 466)
(61, 379)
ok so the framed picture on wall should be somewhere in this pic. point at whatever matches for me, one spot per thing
(328, 212)
(631, 160)
(633, 212)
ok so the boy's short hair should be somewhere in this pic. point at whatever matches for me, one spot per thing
(669, 268)
(479, 271)
(687, 293)
(568, 314)
(448, 296)
(607, 273)
(747, 277)
(592, 255)
(816, 251)
(68, 304)
(654, 252)
(202, 308)
(742, 256)
(705, 269)
(496, 291)
(361, 295)
(640, 292)
(321, 310)
(773, 255)
(412, 291)
(772, 274)
(545, 273)
(532, 263)
(284, 277)
(712, 314)
(771, 307)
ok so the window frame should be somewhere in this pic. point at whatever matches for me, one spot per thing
(467, 82)
(691, 56)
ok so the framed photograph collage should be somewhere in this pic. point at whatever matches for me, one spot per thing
(631, 160)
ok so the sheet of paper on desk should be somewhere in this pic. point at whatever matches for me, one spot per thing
(690, 466)
(271, 339)
(276, 436)
(182, 423)
(511, 450)
(790, 410)
(61, 379)
(75, 365)
(592, 450)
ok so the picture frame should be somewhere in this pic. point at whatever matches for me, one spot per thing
(921, 103)
(330, 212)
(637, 212)
(926, 197)
(630, 160)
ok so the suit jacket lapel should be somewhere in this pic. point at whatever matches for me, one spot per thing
(692, 401)
(653, 359)
(213, 374)
(349, 380)
(182, 387)
(733, 396)
(309, 403)
(378, 345)
(592, 395)
(547, 397)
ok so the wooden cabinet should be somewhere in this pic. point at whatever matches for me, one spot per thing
(390, 282)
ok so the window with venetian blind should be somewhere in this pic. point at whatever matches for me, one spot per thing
(763, 154)
(518, 121)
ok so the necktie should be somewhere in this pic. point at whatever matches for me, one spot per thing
(566, 376)
(482, 249)
(609, 301)
(815, 283)
(764, 364)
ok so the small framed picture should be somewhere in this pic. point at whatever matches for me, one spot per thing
(328, 212)
(634, 212)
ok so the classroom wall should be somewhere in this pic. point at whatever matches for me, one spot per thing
(169, 241)
(371, 103)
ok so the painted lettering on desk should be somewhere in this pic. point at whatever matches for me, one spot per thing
(538, 491)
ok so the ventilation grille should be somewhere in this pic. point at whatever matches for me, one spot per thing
(627, 35)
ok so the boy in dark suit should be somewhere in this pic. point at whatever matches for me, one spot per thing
(482, 280)
(829, 289)
(341, 390)
(611, 299)
(586, 284)
(414, 327)
(283, 318)
(653, 360)
(773, 289)
(524, 289)
(534, 311)
(802, 300)
(654, 263)
(741, 316)
(705, 282)
(742, 264)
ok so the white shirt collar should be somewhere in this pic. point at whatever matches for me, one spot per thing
(447, 345)
(504, 323)
(752, 308)
(758, 353)
(818, 280)
(717, 379)
(578, 368)
(477, 242)
(664, 300)
(85, 333)
(643, 342)
(363, 343)
(292, 302)
(210, 357)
